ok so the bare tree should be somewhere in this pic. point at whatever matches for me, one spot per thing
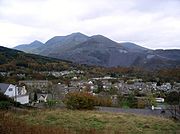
(173, 99)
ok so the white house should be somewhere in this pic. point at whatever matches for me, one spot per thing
(19, 94)
(159, 99)
(159, 102)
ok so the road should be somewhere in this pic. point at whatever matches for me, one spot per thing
(147, 112)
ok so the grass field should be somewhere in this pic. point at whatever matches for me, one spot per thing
(69, 121)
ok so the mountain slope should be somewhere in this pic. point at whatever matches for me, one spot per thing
(101, 51)
(97, 50)
(30, 48)
(133, 47)
(60, 44)
(15, 60)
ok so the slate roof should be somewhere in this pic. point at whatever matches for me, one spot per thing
(3, 87)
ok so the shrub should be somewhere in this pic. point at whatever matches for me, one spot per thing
(79, 100)
(103, 101)
(127, 101)
(5, 98)
(51, 103)
(130, 82)
(173, 99)
(4, 105)
(141, 103)
(16, 104)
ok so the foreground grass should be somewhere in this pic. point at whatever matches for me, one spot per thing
(68, 121)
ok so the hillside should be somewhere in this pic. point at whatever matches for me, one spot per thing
(14, 60)
(8, 55)
(68, 121)
(102, 51)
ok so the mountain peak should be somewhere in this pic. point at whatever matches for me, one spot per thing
(29, 47)
(36, 41)
(59, 39)
(98, 36)
(102, 39)
(77, 35)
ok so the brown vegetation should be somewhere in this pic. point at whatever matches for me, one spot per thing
(74, 121)
(12, 125)
(85, 100)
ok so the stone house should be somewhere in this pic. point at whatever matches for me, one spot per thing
(32, 85)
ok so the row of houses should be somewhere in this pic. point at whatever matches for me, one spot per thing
(58, 91)
(61, 73)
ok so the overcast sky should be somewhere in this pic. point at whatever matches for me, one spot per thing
(149, 23)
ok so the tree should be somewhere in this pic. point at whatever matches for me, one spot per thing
(100, 87)
(79, 100)
(131, 100)
(113, 91)
(173, 99)
(35, 96)
(1, 79)
(127, 101)
(151, 100)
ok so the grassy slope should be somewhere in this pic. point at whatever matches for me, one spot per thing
(101, 122)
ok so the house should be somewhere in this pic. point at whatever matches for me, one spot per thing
(4, 74)
(159, 104)
(44, 97)
(18, 94)
(106, 84)
(59, 91)
(42, 85)
(164, 87)
(159, 99)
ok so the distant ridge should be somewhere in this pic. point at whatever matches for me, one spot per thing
(101, 51)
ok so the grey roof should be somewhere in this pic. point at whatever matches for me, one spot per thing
(49, 96)
(3, 87)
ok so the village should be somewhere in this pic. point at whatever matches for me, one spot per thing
(113, 90)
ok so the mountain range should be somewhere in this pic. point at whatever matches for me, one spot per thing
(102, 51)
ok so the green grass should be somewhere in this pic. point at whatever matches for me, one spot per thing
(111, 122)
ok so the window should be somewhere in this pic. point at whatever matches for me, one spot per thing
(10, 89)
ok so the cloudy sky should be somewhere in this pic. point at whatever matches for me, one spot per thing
(150, 23)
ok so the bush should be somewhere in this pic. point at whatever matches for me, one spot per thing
(103, 102)
(141, 103)
(5, 98)
(4, 105)
(130, 82)
(127, 101)
(173, 98)
(51, 103)
(16, 104)
(79, 100)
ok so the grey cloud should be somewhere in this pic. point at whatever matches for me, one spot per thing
(152, 23)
